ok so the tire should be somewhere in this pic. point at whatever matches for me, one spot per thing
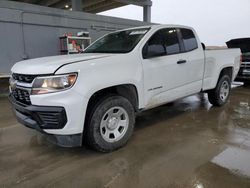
(218, 98)
(111, 124)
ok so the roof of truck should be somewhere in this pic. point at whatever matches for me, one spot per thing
(157, 26)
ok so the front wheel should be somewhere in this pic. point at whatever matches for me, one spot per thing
(219, 96)
(111, 124)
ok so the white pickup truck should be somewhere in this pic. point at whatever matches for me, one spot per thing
(93, 97)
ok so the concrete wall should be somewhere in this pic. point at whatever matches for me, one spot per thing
(30, 31)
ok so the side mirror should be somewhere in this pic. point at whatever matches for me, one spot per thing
(149, 52)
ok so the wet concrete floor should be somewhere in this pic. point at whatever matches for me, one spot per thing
(186, 144)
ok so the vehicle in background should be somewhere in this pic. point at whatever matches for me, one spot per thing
(94, 96)
(244, 45)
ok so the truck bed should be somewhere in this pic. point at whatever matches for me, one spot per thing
(219, 58)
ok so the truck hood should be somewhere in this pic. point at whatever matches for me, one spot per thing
(242, 43)
(48, 65)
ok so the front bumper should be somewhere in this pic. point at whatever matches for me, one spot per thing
(45, 117)
(244, 72)
(243, 77)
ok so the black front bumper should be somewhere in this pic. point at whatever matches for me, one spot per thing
(242, 78)
(244, 73)
(45, 117)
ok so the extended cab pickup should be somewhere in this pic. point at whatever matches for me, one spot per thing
(93, 97)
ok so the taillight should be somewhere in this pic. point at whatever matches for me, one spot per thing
(241, 59)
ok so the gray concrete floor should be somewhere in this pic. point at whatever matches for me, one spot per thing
(185, 144)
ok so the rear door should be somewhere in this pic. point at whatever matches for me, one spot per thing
(195, 59)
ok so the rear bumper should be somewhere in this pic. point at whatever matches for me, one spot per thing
(45, 117)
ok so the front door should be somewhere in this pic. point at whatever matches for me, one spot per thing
(167, 68)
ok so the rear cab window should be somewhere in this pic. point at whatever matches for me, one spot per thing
(189, 39)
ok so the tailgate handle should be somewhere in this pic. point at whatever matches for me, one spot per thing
(181, 61)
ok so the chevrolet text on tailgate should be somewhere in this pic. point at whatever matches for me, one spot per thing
(92, 97)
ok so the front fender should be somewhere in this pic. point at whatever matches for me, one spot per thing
(95, 75)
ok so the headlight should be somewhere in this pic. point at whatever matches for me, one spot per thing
(51, 84)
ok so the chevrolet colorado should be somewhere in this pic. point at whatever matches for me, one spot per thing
(93, 97)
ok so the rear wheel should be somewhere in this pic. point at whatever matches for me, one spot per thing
(219, 96)
(111, 124)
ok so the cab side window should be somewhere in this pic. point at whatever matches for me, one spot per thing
(163, 42)
(189, 40)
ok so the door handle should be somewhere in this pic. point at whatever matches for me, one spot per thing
(181, 61)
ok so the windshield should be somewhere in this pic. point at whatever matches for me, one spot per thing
(118, 42)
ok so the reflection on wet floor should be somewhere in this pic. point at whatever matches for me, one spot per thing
(236, 157)
(188, 143)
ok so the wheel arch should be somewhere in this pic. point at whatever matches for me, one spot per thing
(128, 91)
(226, 71)
(211, 82)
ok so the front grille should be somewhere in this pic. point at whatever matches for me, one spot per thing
(245, 66)
(53, 120)
(21, 96)
(246, 58)
(23, 77)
